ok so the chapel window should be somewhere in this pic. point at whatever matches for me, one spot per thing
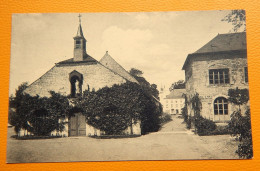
(220, 106)
(218, 76)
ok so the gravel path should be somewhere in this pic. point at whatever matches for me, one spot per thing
(172, 142)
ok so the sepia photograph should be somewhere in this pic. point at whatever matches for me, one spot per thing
(129, 86)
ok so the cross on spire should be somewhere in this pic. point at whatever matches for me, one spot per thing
(79, 18)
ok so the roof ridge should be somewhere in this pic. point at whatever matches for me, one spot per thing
(127, 74)
(232, 33)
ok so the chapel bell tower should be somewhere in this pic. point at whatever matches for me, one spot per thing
(79, 44)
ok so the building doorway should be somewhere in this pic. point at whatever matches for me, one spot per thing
(77, 125)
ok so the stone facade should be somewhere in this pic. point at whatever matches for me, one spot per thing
(197, 75)
(95, 76)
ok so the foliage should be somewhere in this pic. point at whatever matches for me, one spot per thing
(146, 86)
(238, 96)
(196, 104)
(204, 126)
(184, 113)
(177, 85)
(37, 115)
(188, 122)
(165, 118)
(114, 109)
(136, 72)
(240, 126)
(237, 18)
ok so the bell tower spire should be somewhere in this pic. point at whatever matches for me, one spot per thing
(79, 44)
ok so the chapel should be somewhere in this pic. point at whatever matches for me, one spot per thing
(81, 72)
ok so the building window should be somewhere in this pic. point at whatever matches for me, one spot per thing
(246, 75)
(220, 106)
(219, 76)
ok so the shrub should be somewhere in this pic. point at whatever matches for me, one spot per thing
(240, 126)
(114, 109)
(188, 122)
(221, 130)
(184, 113)
(37, 115)
(165, 118)
(204, 126)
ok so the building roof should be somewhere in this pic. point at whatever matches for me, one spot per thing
(87, 58)
(225, 42)
(229, 42)
(111, 64)
(222, 43)
(176, 94)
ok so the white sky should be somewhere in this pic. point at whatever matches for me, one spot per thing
(156, 42)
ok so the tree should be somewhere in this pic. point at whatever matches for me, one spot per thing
(238, 96)
(38, 115)
(149, 88)
(177, 85)
(136, 72)
(237, 18)
(114, 109)
(241, 125)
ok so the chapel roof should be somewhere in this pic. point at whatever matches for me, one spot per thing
(111, 64)
(222, 43)
(87, 59)
(176, 94)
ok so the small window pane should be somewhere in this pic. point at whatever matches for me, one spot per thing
(226, 112)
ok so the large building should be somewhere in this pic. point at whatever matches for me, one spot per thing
(211, 71)
(174, 102)
(82, 72)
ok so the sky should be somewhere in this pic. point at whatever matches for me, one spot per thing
(156, 43)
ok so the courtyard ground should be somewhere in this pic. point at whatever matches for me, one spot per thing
(172, 142)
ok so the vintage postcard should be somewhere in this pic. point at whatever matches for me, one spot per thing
(129, 86)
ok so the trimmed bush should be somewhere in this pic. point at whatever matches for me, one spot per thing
(204, 126)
